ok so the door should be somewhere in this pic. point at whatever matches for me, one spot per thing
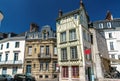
(89, 73)
(28, 69)
(4, 70)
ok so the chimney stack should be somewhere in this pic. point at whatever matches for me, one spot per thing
(60, 13)
(34, 27)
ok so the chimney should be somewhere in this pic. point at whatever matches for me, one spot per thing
(81, 4)
(60, 13)
(109, 16)
(34, 27)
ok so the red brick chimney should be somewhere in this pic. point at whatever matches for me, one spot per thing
(109, 16)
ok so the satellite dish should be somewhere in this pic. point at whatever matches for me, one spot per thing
(1, 16)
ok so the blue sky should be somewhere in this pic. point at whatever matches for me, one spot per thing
(18, 14)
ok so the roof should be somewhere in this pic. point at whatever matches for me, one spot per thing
(69, 13)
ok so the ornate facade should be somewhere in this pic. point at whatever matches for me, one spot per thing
(41, 53)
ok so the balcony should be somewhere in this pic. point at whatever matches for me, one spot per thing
(10, 62)
(44, 56)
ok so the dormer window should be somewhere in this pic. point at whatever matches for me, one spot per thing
(75, 16)
(101, 25)
(108, 24)
(45, 34)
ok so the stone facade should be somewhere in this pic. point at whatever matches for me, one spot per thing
(41, 53)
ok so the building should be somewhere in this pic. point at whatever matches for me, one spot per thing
(41, 53)
(12, 53)
(110, 28)
(100, 54)
(74, 46)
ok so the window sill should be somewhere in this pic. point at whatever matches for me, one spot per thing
(75, 59)
(63, 42)
(64, 60)
(73, 40)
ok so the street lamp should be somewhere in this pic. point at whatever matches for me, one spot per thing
(1, 16)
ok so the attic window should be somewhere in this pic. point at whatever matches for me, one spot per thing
(75, 16)
(109, 24)
(101, 25)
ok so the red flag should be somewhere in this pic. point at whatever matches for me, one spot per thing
(87, 51)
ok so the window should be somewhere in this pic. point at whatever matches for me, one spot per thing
(58, 22)
(35, 50)
(101, 25)
(109, 24)
(44, 35)
(15, 56)
(55, 50)
(63, 37)
(63, 54)
(16, 44)
(91, 37)
(72, 34)
(41, 49)
(29, 50)
(6, 58)
(41, 66)
(75, 71)
(111, 46)
(110, 35)
(1, 46)
(14, 71)
(0, 57)
(84, 35)
(73, 52)
(7, 46)
(46, 76)
(119, 57)
(75, 16)
(40, 76)
(47, 50)
(47, 66)
(54, 76)
(55, 65)
(112, 55)
(65, 71)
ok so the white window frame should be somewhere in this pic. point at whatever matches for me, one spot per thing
(63, 37)
(73, 52)
(72, 34)
(109, 24)
(29, 50)
(100, 25)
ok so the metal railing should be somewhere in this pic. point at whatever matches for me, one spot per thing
(44, 56)
(10, 62)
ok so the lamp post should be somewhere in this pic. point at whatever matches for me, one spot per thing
(1, 17)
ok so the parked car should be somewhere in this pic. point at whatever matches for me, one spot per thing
(2, 78)
(9, 77)
(23, 77)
